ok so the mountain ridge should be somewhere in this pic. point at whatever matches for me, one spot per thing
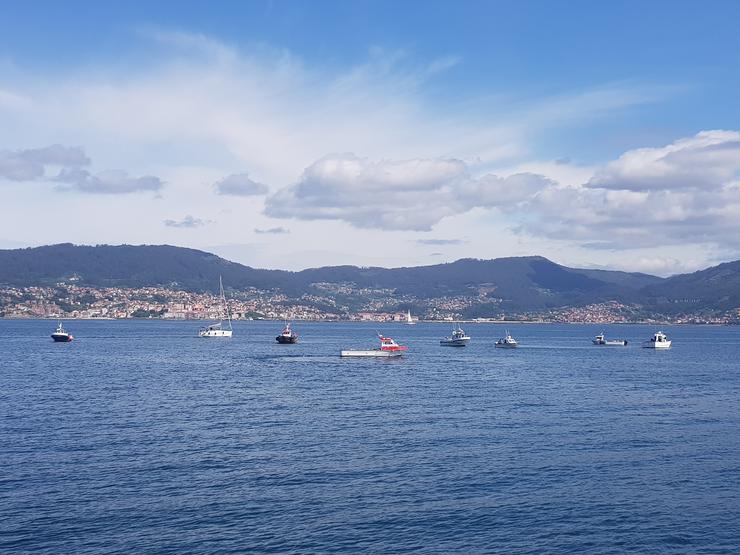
(513, 283)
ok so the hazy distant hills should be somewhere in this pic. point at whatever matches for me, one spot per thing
(521, 283)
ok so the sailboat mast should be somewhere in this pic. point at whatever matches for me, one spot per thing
(224, 306)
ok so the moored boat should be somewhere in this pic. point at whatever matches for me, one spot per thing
(287, 336)
(507, 342)
(602, 340)
(218, 329)
(61, 335)
(409, 320)
(457, 339)
(659, 340)
(388, 348)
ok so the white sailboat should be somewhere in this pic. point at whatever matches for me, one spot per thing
(218, 329)
(409, 319)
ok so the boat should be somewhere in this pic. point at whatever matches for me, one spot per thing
(602, 340)
(61, 335)
(457, 339)
(218, 329)
(388, 348)
(287, 336)
(506, 342)
(659, 340)
(409, 320)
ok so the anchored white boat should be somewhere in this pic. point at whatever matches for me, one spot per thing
(659, 340)
(218, 329)
(61, 335)
(457, 339)
(507, 342)
(409, 320)
(388, 348)
(602, 340)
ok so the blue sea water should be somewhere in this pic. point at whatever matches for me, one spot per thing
(140, 438)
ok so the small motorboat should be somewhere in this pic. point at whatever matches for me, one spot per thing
(62, 335)
(602, 340)
(659, 340)
(287, 336)
(507, 342)
(388, 348)
(457, 339)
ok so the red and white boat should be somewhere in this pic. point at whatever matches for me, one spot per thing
(388, 348)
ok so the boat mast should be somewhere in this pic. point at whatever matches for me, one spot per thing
(225, 307)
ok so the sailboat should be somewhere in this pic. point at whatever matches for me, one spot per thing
(409, 320)
(218, 329)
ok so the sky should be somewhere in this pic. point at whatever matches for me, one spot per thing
(301, 134)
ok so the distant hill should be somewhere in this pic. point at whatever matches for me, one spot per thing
(717, 287)
(516, 283)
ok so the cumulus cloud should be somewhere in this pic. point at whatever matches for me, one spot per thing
(410, 194)
(30, 164)
(273, 230)
(106, 182)
(687, 192)
(706, 161)
(188, 222)
(239, 184)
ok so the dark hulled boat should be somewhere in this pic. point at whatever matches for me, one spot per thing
(61, 335)
(287, 336)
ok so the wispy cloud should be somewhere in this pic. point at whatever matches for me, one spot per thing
(188, 222)
(440, 242)
(272, 230)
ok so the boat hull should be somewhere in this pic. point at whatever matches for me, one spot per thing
(505, 346)
(656, 345)
(61, 337)
(375, 353)
(285, 340)
(215, 333)
(453, 342)
(611, 343)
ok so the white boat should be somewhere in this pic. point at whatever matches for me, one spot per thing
(388, 348)
(457, 339)
(218, 329)
(409, 319)
(602, 340)
(506, 342)
(287, 336)
(659, 340)
(61, 335)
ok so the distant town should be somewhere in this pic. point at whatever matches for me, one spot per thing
(333, 302)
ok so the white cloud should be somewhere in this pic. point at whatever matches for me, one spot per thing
(410, 194)
(687, 192)
(241, 185)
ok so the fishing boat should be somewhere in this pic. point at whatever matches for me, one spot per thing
(409, 320)
(287, 336)
(388, 348)
(457, 339)
(506, 342)
(218, 329)
(61, 335)
(602, 340)
(659, 340)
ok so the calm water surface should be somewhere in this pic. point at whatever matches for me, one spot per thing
(140, 437)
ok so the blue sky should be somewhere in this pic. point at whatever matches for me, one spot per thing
(481, 129)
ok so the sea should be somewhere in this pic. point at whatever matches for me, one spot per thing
(139, 437)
